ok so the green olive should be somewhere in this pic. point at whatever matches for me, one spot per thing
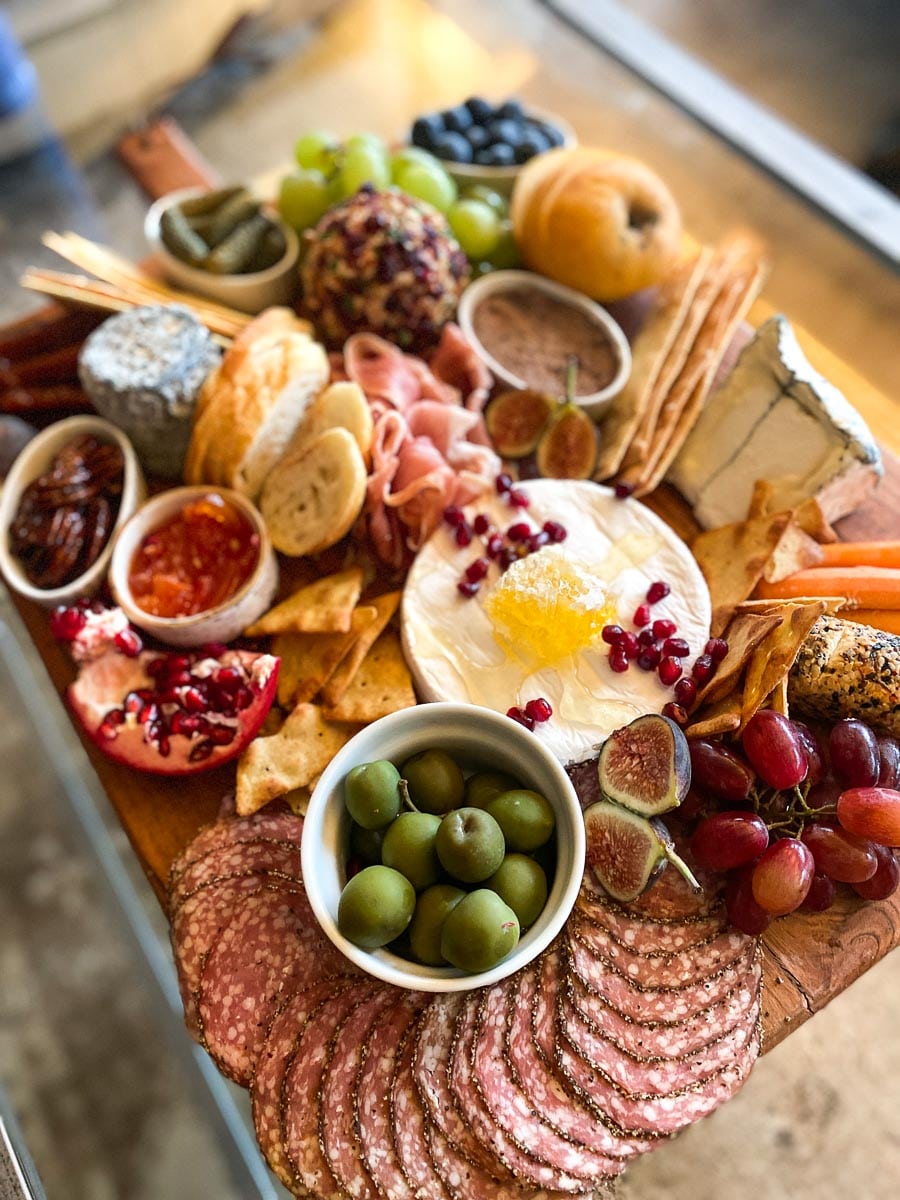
(485, 786)
(372, 794)
(427, 924)
(526, 818)
(435, 782)
(479, 932)
(375, 907)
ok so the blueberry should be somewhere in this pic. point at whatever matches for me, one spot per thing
(457, 120)
(498, 155)
(477, 137)
(507, 132)
(426, 129)
(482, 110)
(453, 147)
(533, 142)
(551, 133)
(512, 109)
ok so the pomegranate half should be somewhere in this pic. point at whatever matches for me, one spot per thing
(174, 713)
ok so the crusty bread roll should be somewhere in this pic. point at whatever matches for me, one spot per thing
(251, 405)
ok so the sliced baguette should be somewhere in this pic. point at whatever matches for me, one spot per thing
(342, 405)
(312, 497)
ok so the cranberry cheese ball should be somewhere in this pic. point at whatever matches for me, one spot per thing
(384, 262)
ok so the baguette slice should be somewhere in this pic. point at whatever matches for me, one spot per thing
(312, 497)
(342, 405)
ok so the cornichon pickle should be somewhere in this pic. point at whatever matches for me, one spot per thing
(271, 250)
(233, 255)
(180, 239)
(232, 213)
(202, 206)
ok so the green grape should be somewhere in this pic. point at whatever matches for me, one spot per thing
(303, 198)
(475, 226)
(487, 196)
(408, 155)
(316, 150)
(364, 162)
(370, 141)
(335, 190)
(429, 183)
(505, 254)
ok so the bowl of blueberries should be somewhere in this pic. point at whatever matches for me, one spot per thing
(484, 143)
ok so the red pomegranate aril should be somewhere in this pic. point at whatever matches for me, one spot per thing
(703, 668)
(468, 588)
(481, 524)
(782, 876)
(109, 726)
(67, 623)
(669, 670)
(454, 515)
(507, 557)
(657, 591)
(729, 839)
(623, 490)
(886, 879)
(676, 648)
(685, 690)
(517, 499)
(128, 643)
(840, 855)
(503, 483)
(539, 710)
(719, 770)
(618, 659)
(641, 616)
(243, 698)
(201, 751)
(612, 634)
(156, 668)
(228, 677)
(675, 713)
(716, 648)
(132, 703)
(629, 644)
(179, 662)
(555, 531)
(519, 532)
(462, 535)
(493, 547)
(646, 638)
(193, 700)
(222, 735)
(522, 717)
(477, 570)
(821, 895)
(872, 813)
(537, 541)
(178, 679)
(211, 650)
(663, 627)
(648, 659)
(148, 714)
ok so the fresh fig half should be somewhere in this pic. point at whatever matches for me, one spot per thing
(568, 446)
(646, 765)
(174, 713)
(516, 419)
(626, 852)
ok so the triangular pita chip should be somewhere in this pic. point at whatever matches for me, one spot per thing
(385, 606)
(743, 635)
(733, 558)
(308, 660)
(774, 656)
(324, 606)
(795, 551)
(722, 717)
(382, 684)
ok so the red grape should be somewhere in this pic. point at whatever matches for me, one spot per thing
(821, 894)
(815, 757)
(839, 854)
(782, 876)
(871, 812)
(743, 911)
(888, 762)
(824, 794)
(729, 839)
(720, 770)
(853, 748)
(692, 806)
(774, 749)
(885, 880)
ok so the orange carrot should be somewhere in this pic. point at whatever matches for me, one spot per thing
(861, 554)
(879, 618)
(863, 587)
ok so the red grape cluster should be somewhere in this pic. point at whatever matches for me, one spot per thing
(803, 814)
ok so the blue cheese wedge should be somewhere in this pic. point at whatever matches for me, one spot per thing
(776, 418)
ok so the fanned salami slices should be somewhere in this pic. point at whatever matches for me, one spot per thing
(408, 1125)
(278, 859)
(229, 831)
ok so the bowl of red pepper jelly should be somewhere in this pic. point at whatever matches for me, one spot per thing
(194, 565)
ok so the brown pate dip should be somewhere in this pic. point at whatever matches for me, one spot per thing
(533, 334)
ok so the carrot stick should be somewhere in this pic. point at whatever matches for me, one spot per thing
(861, 554)
(864, 587)
(879, 618)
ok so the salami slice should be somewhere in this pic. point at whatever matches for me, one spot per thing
(409, 1122)
(228, 831)
(645, 936)
(274, 1058)
(466, 1180)
(338, 1135)
(272, 946)
(372, 1096)
(301, 1091)
(511, 1106)
(281, 859)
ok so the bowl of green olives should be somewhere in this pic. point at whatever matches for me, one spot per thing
(443, 848)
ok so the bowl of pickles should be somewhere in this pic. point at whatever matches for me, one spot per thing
(443, 848)
(225, 244)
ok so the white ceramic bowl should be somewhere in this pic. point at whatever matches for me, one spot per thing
(34, 459)
(594, 403)
(219, 624)
(249, 293)
(480, 739)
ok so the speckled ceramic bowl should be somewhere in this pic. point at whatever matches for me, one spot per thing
(219, 624)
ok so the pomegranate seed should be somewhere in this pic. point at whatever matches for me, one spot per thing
(675, 713)
(211, 650)
(463, 534)
(201, 751)
(179, 662)
(222, 735)
(623, 490)
(555, 531)
(539, 710)
(670, 670)
(228, 678)
(67, 623)
(517, 499)
(716, 648)
(493, 546)
(648, 659)
(109, 726)
(454, 515)
(481, 524)
(133, 703)
(243, 698)
(523, 718)
(179, 679)
(468, 588)
(629, 644)
(519, 532)
(477, 570)
(646, 638)
(537, 541)
(177, 723)
(703, 667)
(618, 659)
(641, 615)
(164, 747)
(193, 700)
(663, 627)
(128, 642)
(156, 668)
(612, 634)
(508, 557)
(657, 591)
(187, 723)
(686, 691)
(676, 648)
(503, 483)
(148, 714)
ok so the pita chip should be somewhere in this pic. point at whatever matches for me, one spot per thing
(308, 660)
(324, 606)
(382, 684)
(385, 606)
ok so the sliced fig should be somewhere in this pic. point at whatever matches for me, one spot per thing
(516, 419)
(626, 852)
(568, 446)
(646, 765)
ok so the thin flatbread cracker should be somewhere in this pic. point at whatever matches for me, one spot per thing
(733, 558)
(722, 717)
(744, 633)
(773, 658)
(795, 551)
(324, 606)
(308, 660)
(382, 684)
(648, 357)
(290, 759)
(778, 698)
(385, 606)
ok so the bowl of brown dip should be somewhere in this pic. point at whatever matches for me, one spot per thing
(526, 328)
